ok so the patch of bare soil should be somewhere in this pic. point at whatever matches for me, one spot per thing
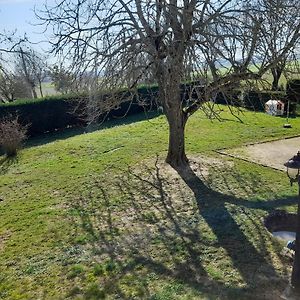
(158, 200)
(272, 154)
(149, 212)
(200, 165)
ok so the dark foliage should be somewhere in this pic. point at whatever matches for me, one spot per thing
(293, 90)
(255, 100)
(60, 112)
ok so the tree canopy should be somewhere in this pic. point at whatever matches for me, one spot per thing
(218, 43)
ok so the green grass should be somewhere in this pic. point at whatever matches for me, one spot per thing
(48, 89)
(93, 216)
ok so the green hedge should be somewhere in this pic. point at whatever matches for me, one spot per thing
(256, 100)
(45, 115)
(60, 112)
(293, 90)
(230, 97)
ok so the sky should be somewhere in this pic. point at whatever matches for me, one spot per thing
(19, 15)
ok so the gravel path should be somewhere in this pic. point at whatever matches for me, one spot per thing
(271, 154)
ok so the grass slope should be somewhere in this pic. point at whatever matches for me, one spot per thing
(98, 216)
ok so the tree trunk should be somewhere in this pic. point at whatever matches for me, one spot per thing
(33, 91)
(169, 75)
(296, 266)
(176, 153)
(28, 78)
(41, 89)
(276, 72)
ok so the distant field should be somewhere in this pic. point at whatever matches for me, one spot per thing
(48, 89)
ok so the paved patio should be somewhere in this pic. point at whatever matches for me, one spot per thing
(272, 154)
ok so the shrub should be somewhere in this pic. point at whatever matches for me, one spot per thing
(54, 113)
(293, 90)
(12, 135)
(256, 100)
(46, 114)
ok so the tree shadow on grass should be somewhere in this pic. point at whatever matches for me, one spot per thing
(71, 132)
(218, 211)
(150, 238)
(6, 162)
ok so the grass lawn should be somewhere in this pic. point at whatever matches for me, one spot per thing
(48, 89)
(100, 216)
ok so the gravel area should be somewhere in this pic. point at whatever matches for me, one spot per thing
(272, 154)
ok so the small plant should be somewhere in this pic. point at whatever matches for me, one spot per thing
(12, 135)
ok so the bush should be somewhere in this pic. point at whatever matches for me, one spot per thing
(12, 135)
(45, 114)
(256, 100)
(293, 90)
(54, 113)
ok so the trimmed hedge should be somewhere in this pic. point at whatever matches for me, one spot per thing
(144, 100)
(256, 100)
(44, 115)
(293, 90)
(60, 112)
(230, 97)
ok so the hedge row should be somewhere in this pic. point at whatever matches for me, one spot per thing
(293, 90)
(54, 113)
(255, 100)
(60, 112)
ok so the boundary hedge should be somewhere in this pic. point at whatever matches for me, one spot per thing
(54, 113)
(293, 90)
(256, 100)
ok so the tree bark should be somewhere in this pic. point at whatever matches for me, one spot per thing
(41, 88)
(276, 72)
(170, 97)
(28, 78)
(34, 94)
(176, 152)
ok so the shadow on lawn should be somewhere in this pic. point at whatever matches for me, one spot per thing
(67, 133)
(6, 162)
(146, 228)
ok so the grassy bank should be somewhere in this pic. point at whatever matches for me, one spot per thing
(99, 215)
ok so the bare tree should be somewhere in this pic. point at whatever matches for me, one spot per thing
(66, 81)
(12, 86)
(281, 19)
(30, 64)
(7, 86)
(61, 78)
(32, 67)
(9, 43)
(216, 41)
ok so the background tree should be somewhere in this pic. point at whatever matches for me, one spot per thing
(216, 41)
(12, 86)
(66, 81)
(32, 67)
(281, 17)
(61, 78)
(9, 43)
(12, 83)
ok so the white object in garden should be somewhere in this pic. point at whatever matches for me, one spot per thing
(274, 107)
